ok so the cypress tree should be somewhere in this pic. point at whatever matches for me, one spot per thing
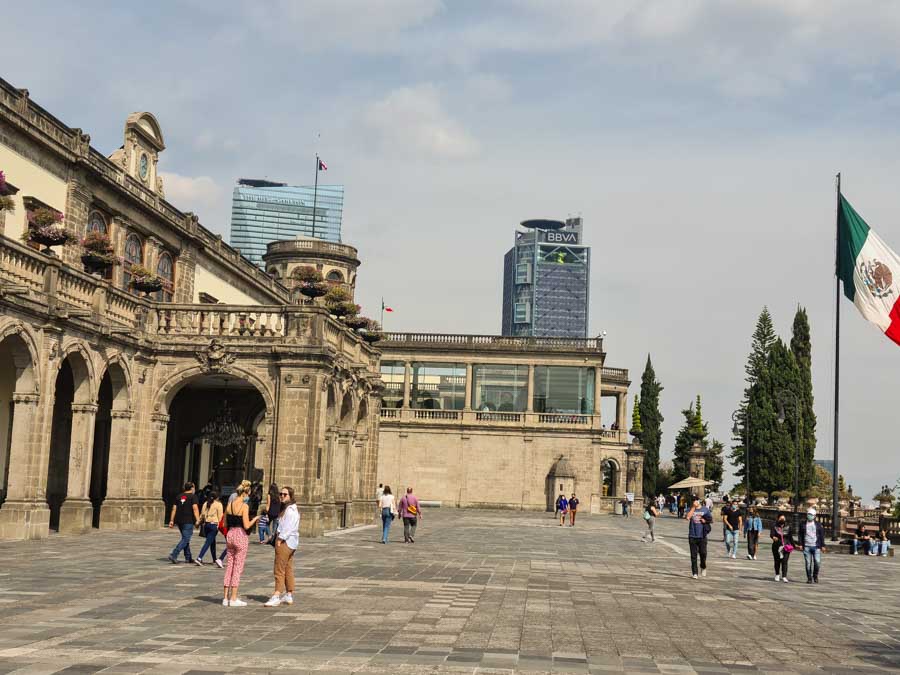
(651, 423)
(801, 347)
(784, 393)
(757, 361)
(636, 429)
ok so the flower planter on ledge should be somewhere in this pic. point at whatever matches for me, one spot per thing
(146, 285)
(96, 264)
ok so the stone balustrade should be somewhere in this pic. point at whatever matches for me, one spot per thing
(219, 320)
(494, 341)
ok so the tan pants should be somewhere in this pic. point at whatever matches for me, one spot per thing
(284, 568)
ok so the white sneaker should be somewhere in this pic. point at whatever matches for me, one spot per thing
(754, 557)
(777, 577)
(224, 602)
(749, 557)
(703, 573)
(785, 579)
(238, 603)
(219, 563)
(734, 556)
(198, 562)
(694, 576)
(274, 601)
(287, 599)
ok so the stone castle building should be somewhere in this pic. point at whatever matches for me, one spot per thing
(110, 398)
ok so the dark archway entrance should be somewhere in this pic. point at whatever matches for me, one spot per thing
(60, 442)
(207, 403)
(100, 454)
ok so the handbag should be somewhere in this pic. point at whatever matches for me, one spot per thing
(222, 527)
(273, 532)
(787, 547)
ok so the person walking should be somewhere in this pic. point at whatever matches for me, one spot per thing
(625, 506)
(573, 509)
(186, 515)
(378, 493)
(752, 528)
(650, 514)
(388, 513)
(562, 507)
(681, 506)
(271, 510)
(700, 521)
(734, 524)
(237, 519)
(410, 511)
(210, 515)
(812, 543)
(287, 539)
(782, 545)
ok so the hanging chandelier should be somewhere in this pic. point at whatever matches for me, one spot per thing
(223, 430)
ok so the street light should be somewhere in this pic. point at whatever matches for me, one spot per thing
(736, 431)
(781, 397)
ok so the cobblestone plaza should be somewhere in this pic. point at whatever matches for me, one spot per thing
(479, 592)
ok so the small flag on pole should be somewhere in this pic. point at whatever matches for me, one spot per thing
(322, 165)
(385, 308)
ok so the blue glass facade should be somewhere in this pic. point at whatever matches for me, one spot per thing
(267, 212)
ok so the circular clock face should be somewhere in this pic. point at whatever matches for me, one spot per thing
(144, 166)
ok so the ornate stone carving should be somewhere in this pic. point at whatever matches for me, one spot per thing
(215, 358)
(25, 399)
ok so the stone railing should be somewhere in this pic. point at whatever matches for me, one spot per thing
(615, 375)
(488, 416)
(20, 265)
(478, 418)
(496, 341)
(219, 320)
(288, 246)
(558, 418)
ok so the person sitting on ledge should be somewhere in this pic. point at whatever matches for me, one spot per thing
(861, 538)
(880, 543)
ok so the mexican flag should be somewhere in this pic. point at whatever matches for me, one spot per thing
(869, 271)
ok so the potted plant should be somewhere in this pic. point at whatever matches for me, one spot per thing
(99, 254)
(636, 427)
(761, 497)
(344, 309)
(885, 498)
(339, 302)
(309, 280)
(372, 332)
(357, 322)
(6, 201)
(144, 280)
(44, 228)
(782, 497)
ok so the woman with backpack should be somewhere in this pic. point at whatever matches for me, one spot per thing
(782, 545)
(752, 527)
(650, 514)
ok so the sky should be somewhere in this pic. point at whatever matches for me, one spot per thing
(698, 140)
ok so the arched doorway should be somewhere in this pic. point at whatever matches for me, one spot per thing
(610, 478)
(342, 462)
(17, 390)
(211, 434)
(72, 419)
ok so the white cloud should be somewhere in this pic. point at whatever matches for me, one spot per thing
(200, 194)
(412, 120)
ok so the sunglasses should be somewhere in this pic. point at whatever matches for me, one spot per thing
(285, 494)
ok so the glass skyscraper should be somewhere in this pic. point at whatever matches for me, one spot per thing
(546, 277)
(263, 211)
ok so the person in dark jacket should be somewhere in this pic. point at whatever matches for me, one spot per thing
(812, 543)
(699, 525)
(782, 545)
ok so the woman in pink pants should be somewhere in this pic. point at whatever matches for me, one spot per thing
(237, 519)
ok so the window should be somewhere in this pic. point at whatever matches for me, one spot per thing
(335, 277)
(503, 388)
(523, 273)
(564, 389)
(97, 223)
(134, 255)
(523, 312)
(165, 270)
(392, 376)
(438, 386)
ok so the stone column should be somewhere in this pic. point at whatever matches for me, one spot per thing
(25, 514)
(620, 411)
(407, 376)
(114, 512)
(76, 512)
(598, 388)
(698, 466)
(529, 406)
(468, 403)
(635, 463)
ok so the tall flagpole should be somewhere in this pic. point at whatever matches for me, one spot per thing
(315, 195)
(382, 313)
(835, 488)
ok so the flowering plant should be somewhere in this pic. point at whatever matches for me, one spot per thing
(98, 249)
(2, 181)
(44, 228)
(373, 331)
(6, 202)
(143, 279)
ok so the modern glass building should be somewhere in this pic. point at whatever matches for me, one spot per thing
(546, 276)
(263, 211)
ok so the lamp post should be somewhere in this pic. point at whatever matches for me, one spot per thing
(736, 430)
(782, 397)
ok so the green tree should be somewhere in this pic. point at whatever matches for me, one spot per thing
(694, 429)
(664, 477)
(778, 456)
(636, 429)
(801, 348)
(715, 464)
(651, 423)
(757, 361)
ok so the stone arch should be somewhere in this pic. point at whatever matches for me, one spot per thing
(362, 416)
(120, 376)
(79, 356)
(347, 417)
(610, 477)
(180, 379)
(23, 346)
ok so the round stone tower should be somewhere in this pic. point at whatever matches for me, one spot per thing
(337, 262)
